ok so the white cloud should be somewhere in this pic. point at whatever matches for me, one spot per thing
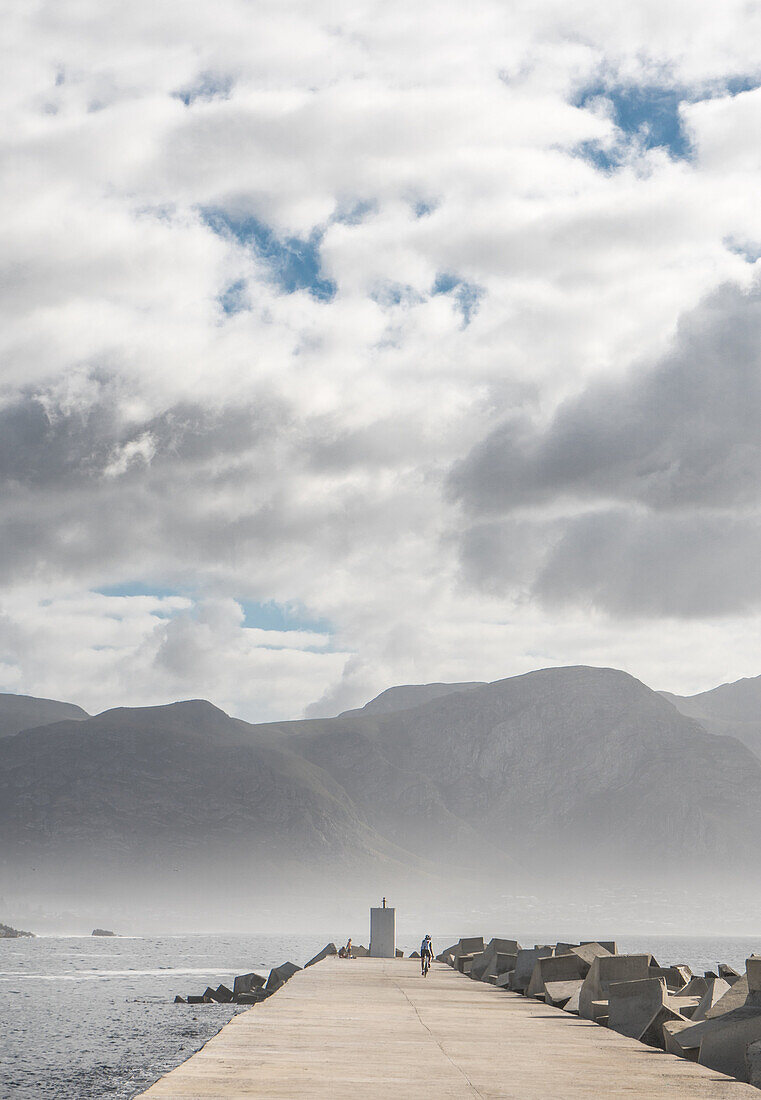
(299, 449)
(104, 651)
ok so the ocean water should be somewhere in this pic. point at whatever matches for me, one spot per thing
(84, 1018)
(87, 1018)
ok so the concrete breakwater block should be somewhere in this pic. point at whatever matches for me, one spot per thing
(592, 950)
(713, 1020)
(471, 945)
(559, 994)
(525, 962)
(720, 1035)
(726, 1040)
(753, 975)
(254, 998)
(735, 997)
(685, 1006)
(671, 1029)
(496, 958)
(632, 1005)
(556, 968)
(603, 972)
(502, 946)
(715, 990)
(676, 977)
(696, 987)
(482, 963)
(571, 965)
(328, 949)
(279, 975)
(501, 963)
(652, 1036)
(251, 988)
(247, 983)
(753, 1064)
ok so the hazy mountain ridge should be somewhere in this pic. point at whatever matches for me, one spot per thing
(567, 758)
(22, 712)
(409, 696)
(579, 768)
(157, 783)
(732, 710)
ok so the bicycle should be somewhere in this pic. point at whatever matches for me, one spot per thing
(426, 964)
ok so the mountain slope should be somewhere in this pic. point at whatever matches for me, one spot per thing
(553, 764)
(408, 696)
(732, 710)
(21, 712)
(580, 772)
(151, 787)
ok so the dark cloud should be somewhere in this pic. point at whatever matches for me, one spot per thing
(196, 491)
(683, 435)
(653, 565)
(44, 443)
(641, 495)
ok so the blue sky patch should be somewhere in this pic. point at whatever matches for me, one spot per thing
(736, 85)
(422, 209)
(277, 616)
(355, 213)
(749, 250)
(391, 294)
(136, 588)
(234, 299)
(267, 615)
(207, 86)
(467, 296)
(294, 262)
(648, 114)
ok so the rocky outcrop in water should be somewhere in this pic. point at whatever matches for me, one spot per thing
(8, 933)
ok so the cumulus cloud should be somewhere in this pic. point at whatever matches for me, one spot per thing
(404, 317)
(644, 490)
(682, 434)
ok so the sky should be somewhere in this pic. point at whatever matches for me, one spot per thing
(354, 344)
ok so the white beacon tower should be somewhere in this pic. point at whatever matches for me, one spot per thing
(383, 932)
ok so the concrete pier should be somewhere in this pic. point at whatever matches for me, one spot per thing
(374, 1028)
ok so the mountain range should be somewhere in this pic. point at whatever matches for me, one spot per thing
(23, 712)
(732, 710)
(581, 772)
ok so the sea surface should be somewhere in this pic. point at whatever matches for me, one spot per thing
(85, 1018)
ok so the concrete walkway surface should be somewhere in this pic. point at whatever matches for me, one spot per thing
(372, 1028)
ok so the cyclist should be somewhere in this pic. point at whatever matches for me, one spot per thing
(426, 955)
